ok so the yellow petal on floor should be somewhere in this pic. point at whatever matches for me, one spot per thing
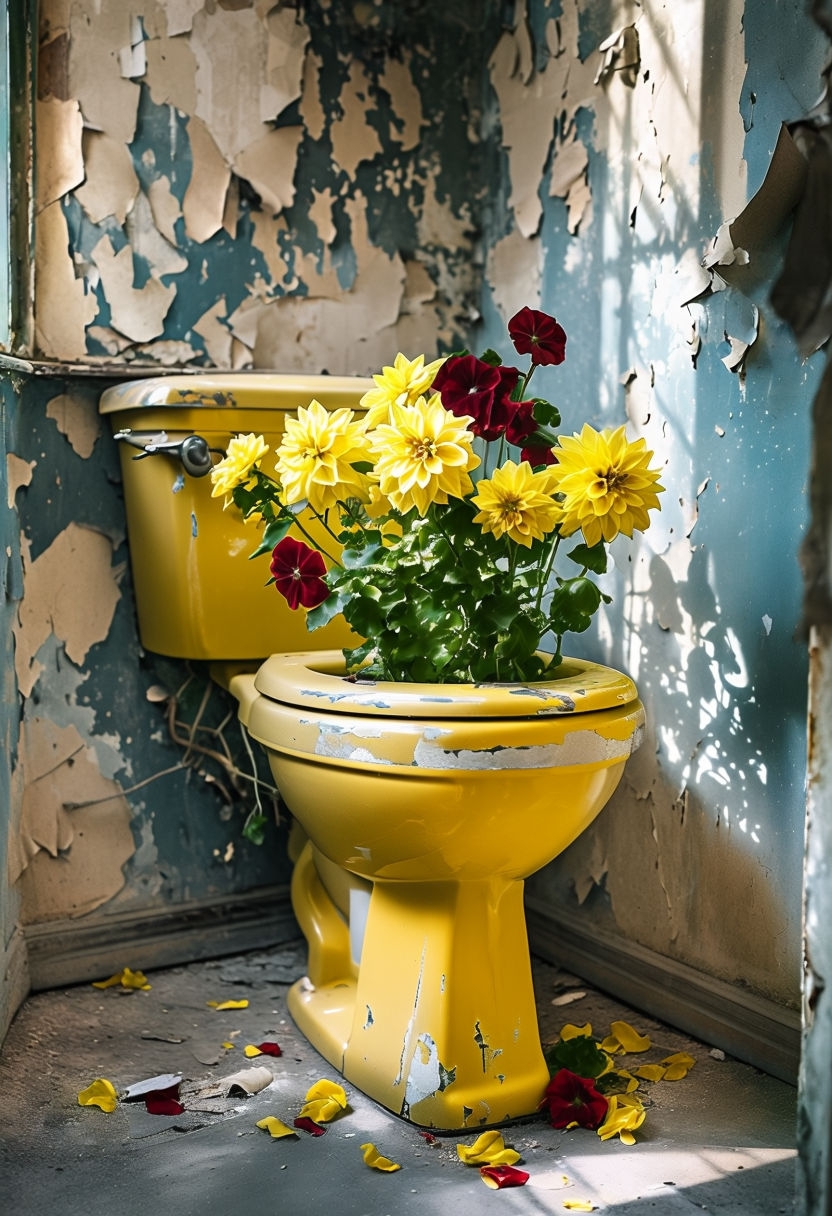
(100, 1093)
(324, 1100)
(227, 1046)
(651, 1072)
(250, 1051)
(624, 1114)
(220, 1005)
(275, 1127)
(632, 1081)
(628, 1037)
(611, 1045)
(575, 1032)
(134, 979)
(578, 1205)
(374, 1159)
(678, 1065)
(487, 1149)
(124, 979)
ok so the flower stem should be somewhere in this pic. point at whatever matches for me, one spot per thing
(546, 572)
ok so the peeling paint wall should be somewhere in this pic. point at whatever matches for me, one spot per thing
(316, 186)
(653, 124)
(254, 184)
(112, 812)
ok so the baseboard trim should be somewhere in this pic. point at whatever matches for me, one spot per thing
(747, 1026)
(73, 952)
(15, 979)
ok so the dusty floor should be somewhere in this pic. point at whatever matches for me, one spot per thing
(720, 1141)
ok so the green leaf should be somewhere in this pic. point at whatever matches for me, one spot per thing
(254, 828)
(273, 534)
(573, 606)
(580, 1055)
(545, 414)
(592, 557)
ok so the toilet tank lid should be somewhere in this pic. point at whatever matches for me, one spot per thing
(254, 390)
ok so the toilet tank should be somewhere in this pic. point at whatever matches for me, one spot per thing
(197, 594)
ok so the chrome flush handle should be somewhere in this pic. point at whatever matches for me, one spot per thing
(192, 451)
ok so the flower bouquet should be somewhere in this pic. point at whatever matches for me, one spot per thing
(445, 502)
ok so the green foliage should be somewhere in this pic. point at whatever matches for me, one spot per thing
(580, 1055)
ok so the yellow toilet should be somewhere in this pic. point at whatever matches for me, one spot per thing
(423, 808)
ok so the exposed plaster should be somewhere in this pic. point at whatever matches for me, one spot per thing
(71, 590)
(68, 861)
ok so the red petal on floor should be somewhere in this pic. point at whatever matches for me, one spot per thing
(270, 1049)
(429, 1136)
(499, 1176)
(309, 1125)
(163, 1106)
(164, 1101)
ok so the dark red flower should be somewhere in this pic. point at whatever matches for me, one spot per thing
(572, 1099)
(297, 571)
(499, 1176)
(537, 334)
(538, 456)
(471, 386)
(309, 1125)
(522, 425)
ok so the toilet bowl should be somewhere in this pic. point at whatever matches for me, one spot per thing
(439, 800)
(420, 810)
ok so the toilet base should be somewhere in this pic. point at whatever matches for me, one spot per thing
(439, 1025)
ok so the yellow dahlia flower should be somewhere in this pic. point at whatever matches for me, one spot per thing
(236, 466)
(316, 455)
(401, 384)
(606, 482)
(517, 503)
(423, 455)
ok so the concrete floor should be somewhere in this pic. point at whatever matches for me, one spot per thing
(720, 1141)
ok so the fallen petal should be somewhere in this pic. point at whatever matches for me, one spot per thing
(572, 1032)
(651, 1072)
(269, 1049)
(125, 979)
(324, 1101)
(134, 979)
(327, 1089)
(624, 1114)
(309, 1125)
(678, 1065)
(100, 1093)
(275, 1127)
(487, 1149)
(220, 1005)
(578, 1205)
(157, 1104)
(499, 1176)
(628, 1037)
(374, 1159)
